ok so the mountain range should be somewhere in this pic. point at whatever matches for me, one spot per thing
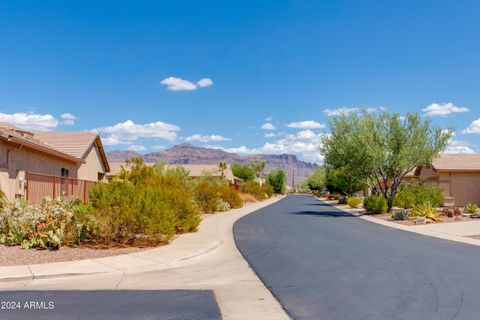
(297, 170)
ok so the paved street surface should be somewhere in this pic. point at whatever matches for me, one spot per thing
(103, 305)
(322, 263)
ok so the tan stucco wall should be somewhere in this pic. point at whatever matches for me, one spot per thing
(464, 187)
(93, 165)
(25, 159)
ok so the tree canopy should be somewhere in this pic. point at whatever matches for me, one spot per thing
(243, 171)
(278, 180)
(382, 148)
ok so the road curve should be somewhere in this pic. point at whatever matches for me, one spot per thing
(322, 263)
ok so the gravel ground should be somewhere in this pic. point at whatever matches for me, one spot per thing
(411, 222)
(15, 255)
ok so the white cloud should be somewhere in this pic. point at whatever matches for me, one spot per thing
(157, 147)
(443, 109)
(206, 138)
(268, 126)
(30, 121)
(474, 127)
(269, 119)
(304, 144)
(307, 124)
(68, 119)
(269, 135)
(128, 131)
(339, 111)
(347, 111)
(135, 147)
(459, 146)
(205, 82)
(179, 84)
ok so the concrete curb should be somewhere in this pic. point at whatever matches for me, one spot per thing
(415, 229)
(103, 266)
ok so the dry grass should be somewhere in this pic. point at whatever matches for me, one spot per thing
(247, 197)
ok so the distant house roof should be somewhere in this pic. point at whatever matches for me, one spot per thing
(457, 162)
(73, 146)
(194, 170)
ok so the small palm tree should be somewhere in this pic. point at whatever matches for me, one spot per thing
(222, 166)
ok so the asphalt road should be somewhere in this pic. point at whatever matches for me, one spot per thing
(111, 305)
(322, 263)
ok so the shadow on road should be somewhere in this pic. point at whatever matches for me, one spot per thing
(330, 214)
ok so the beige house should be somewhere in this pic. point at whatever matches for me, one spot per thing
(194, 170)
(42, 156)
(458, 175)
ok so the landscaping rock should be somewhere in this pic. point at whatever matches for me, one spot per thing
(420, 220)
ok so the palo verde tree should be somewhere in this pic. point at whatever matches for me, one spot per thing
(382, 148)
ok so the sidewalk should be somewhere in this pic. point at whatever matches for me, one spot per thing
(454, 231)
(207, 259)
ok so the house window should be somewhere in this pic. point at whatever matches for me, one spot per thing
(64, 172)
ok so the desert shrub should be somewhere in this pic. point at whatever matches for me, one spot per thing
(278, 180)
(401, 215)
(255, 189)
(426, 210)
(47, 225)
(409, 196)
(268, 190)
(335, 196)
(354, 202)
(470, 208)
(3, 199)
(207, 194)
(246, 197)
(232, 196)
(222, 205)
(375, 204)
(149, 201)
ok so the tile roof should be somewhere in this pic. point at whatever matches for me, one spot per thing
(75, 144)
(457, 162)
(69, 145)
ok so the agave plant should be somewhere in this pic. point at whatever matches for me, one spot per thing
(470, 208)
(401, 215)
(426, 210)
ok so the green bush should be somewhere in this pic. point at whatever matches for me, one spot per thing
(278, 180)
(255, 189)
(222, 205)
(267, 189)
(409, 196)
(207, 194)
(148, 201)
(354, 202)
(243, 171)
(375, 204)
(470, 208)
(48, 225)
(230, 195)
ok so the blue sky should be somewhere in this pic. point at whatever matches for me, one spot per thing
(151, 74)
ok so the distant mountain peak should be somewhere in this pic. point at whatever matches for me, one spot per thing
(186, 153)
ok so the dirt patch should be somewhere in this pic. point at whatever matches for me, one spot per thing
(16, 255)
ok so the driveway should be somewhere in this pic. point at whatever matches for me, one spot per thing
(109, 305)
(322, 263)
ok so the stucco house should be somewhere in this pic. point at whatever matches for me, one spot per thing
(42, 156)
(457, 174)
